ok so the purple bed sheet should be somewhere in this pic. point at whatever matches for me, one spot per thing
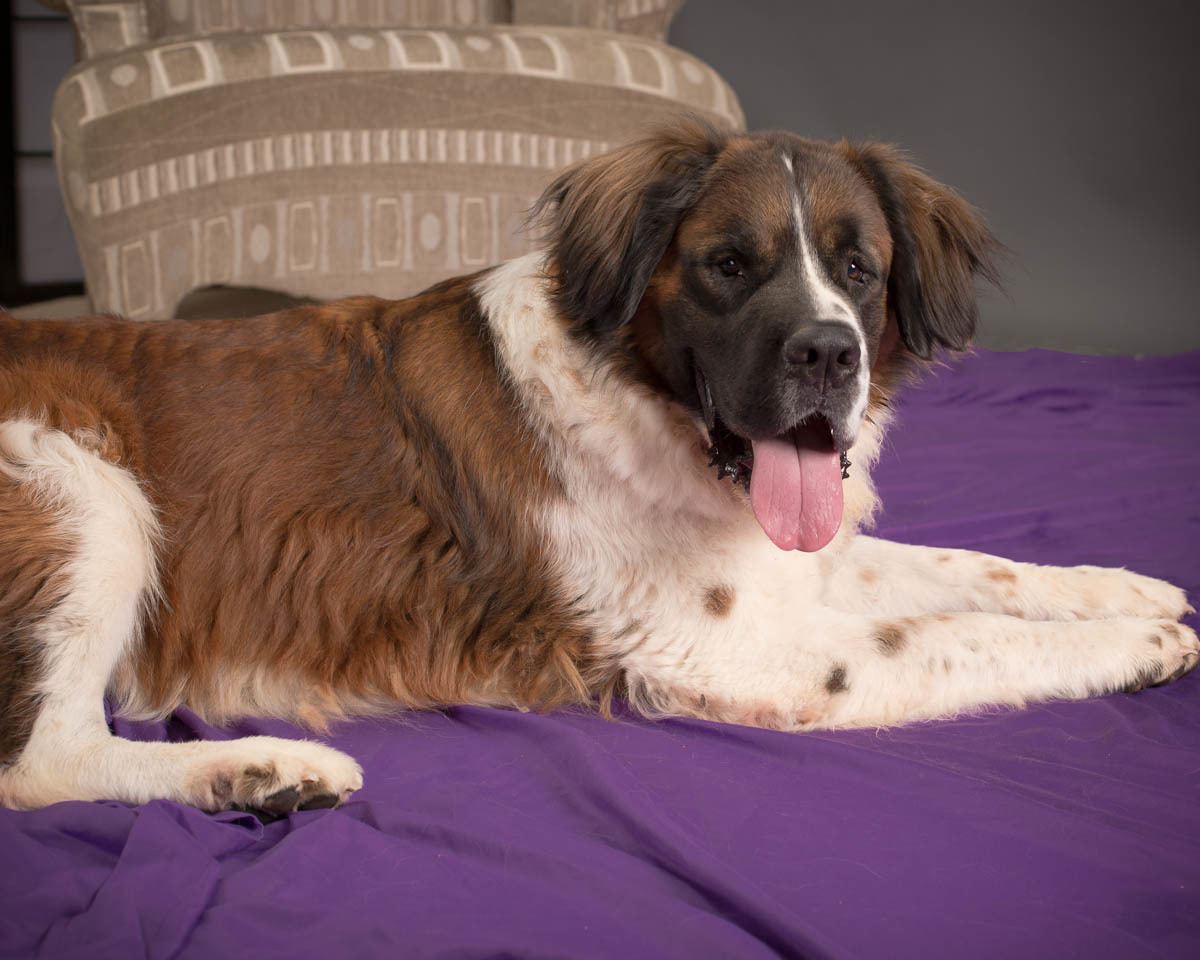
(1066, 829)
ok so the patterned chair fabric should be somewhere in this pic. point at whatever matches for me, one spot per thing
(324, 161)
(107, 25)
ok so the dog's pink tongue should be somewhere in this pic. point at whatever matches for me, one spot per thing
(796, 488)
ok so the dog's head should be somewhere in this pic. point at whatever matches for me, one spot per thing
(762, 281)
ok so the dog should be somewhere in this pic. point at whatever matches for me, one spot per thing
(633, 465)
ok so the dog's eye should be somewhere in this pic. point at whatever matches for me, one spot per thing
(856, 272)
(730, 266)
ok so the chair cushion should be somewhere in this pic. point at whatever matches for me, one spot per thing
(105, 26)
(350, 160)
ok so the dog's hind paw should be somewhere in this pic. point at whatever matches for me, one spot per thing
(274, 777)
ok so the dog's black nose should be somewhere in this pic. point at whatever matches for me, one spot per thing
(824, 354)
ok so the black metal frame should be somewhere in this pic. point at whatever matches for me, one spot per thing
(14, 291)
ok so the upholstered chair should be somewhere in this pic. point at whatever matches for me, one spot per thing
(321, 148)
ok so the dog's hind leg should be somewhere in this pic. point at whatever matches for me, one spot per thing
(78, 551)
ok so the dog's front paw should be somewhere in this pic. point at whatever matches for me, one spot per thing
(1169, 650)
(272, 776)
(1112, 592)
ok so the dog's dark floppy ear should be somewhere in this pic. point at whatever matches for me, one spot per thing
(608, 221)
(940, 244)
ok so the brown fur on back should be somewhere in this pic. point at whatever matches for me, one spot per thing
(342, 491)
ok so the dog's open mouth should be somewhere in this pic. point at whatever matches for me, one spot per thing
(794, 479)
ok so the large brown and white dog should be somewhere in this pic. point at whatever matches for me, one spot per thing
(500, 492)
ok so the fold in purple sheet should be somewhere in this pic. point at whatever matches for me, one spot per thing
(1068, 829)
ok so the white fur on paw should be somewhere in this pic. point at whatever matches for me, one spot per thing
(277, 776)
(1168, 650)
(1112, 592)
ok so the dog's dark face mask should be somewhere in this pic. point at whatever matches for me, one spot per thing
(769, 307)
(754, 278)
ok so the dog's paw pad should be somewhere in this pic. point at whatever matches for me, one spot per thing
(322, 801)
(283, 801)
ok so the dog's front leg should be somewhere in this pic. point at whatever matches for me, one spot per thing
(880, 577)
(943, 664)
(835, 670)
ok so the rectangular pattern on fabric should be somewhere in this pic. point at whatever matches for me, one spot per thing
(105, 26)
(170, 18)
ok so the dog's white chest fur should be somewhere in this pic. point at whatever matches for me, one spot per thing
(665, 558)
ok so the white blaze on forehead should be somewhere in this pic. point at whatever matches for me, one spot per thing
(828, 302)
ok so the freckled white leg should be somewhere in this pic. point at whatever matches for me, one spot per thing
(885, 578)
(940, 665)
(841, 670)
(70, 754)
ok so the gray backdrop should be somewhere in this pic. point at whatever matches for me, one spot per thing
(1073, 125)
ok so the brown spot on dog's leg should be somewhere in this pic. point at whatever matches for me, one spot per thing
(222, 788)
(255, 779)
(945, 557)
(891, 640)
(718, 600)
(836, 681)
(867, 575)
(1156, 640)
(1000, 575)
